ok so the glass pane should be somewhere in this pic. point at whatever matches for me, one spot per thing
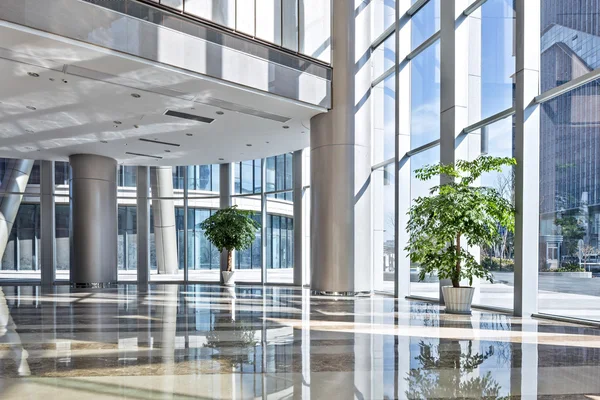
(166, 239)
(425, 23)
(218, 11)
(425, 97)
(569, 199)
(248, 262)
(570, 40)
(21, 258)
(290, 24)
(270, 174)
(177, 4)
(499, 258)
(384, 118)
(203, 258)
(63, 246)
(61, 174)
(384, 13)
(127, 243)
(384, 232)
(497, 65)
(430, 286)
(315, 40)
(384, 57)
(280, 239)
(245, 16)
(268, 20)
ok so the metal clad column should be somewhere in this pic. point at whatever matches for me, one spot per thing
(14, 182)
(163, 215)
(143, 225)
(225, 192)
(341, 234)
(297, 159)
(93, 192)
(48, 231)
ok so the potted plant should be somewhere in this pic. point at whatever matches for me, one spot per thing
(230, 229)
(454, 217)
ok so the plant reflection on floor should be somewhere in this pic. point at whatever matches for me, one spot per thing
(447, 373)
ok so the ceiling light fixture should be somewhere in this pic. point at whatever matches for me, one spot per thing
(33, 74)
(117, 122)
(248, 145)
(286, 127)
(221, 159)
(188, 134)
(104, 141)
(64, 81)
(136, 126)
(28, 131)
(32, 108)
(167, 151)
(51, 79)
(135, 95)
(220, 113)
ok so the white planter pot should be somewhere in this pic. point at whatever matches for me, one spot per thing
(458, 300)
(228, 278)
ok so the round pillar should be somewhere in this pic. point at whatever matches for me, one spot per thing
(340, 144)
(93, 196)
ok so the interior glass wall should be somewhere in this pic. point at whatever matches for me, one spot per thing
(280, 238)
(295, 25)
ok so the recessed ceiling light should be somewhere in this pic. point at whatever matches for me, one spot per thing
(220, 113)
(136, 126)
(104, 141)
(28, 131)
(167, 151)
(117, 122)
(221, 159)
(286, 127)
(32, 108)
(267, 142)
(33, 74)
(135, 95)
(64, 81)
(51, 79)
(248, 145)
(188, 134)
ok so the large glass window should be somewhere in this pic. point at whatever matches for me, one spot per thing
(425, 97)
(425, 22)
(430, 286)
(570, 204)
(570, 38)
(248, 263)
(499, 258)
(384, 228)
(280, 238)
(497, 57)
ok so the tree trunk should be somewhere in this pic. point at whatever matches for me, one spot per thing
(456, 278)
(229, 260)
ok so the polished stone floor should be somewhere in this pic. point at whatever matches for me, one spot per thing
(206, 342)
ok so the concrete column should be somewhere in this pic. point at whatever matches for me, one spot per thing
(225, 192)
(143, 225)
(527, 154)
(163, 212)
(13, 185)
(341, 234)
(93, 196)
(298, 197)
(47, 204)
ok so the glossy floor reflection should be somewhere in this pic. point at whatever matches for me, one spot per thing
(206, 342)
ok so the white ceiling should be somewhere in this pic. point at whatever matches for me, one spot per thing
(82, 89)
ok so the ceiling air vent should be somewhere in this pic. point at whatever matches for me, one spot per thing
(159, 142)
(143, 155)
(178, 114)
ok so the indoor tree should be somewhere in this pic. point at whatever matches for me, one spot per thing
(230, 229)
(456, 214)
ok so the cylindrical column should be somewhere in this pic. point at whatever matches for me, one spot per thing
(143, 225)
(225, 192)
(14, 182)
(297, 159)
(93, 195)
(341, 233)
(163, 214)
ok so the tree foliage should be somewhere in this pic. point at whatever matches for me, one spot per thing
(456, 214)
(230, 229)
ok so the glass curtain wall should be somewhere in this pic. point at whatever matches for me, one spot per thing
(21, 258)
(569, 259)
(297, 25)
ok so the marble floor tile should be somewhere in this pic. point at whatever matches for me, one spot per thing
(208, 342)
